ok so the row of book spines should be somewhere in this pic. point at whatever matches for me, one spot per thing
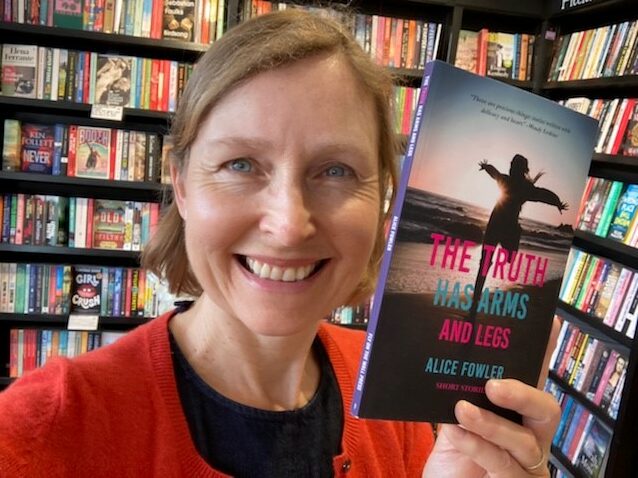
(38, 220)
(581, 437)
(70, 75)
(616, 119)
(46, 289)
(150, 163)
(606, 51)
(609, 209)
(603, 289)
(31, 348)
(351, 314)
(522, 54)
(390, 41)
(405, 100)
(140, 18)
(587, 364)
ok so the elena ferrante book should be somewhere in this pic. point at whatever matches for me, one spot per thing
(477, 246)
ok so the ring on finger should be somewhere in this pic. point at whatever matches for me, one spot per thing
(537, 466)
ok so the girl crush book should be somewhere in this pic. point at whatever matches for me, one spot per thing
(477, 246)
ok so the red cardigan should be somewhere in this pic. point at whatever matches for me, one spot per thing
(115, 412)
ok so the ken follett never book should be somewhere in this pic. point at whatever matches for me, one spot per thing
(477, 246)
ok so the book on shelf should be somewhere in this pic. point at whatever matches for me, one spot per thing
(468, 282)
(37, 148)
(605, 51)
(594, 450)
(86, 290)
(11, 145)
(97, 78)
(496, 54)
(203, 20)
(179, 20)
(113, 83)
(19, 65)
(82, 151)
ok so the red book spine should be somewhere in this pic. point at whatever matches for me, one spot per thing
(618, 140)
(89, 223)
(13, 353)
(73, 137)
(156, 19)
(52, 288)
(166, 69)
(112, 154)
(155, 71)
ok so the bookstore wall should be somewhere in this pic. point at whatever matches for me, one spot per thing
(84, 171)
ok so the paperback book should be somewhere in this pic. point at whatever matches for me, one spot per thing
(477, 246)
(18, 70)
(37, 148)
(86, 290)
(92, 153)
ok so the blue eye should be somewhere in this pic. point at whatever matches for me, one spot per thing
(338, 171)
(240, 165)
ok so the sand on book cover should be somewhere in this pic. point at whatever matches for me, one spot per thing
(477, 247)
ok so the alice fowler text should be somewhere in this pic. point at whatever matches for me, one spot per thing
(463, 368)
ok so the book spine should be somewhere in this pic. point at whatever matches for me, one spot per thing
(385, 265)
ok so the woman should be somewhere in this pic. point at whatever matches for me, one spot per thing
(283, 153)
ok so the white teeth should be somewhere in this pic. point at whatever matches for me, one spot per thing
(285, 274)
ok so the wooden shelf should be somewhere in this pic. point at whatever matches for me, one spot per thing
(103, 42)
(68, 255)
(31, 183)
(601, 246)
(616, 160)
(583, 400)
(591, 324)
(50, 319)
(80, 110)
(610, 87)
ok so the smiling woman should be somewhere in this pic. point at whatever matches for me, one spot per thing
(283, 153)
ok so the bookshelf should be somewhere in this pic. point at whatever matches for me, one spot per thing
(66, 113)
(542, 20)
(620, 453)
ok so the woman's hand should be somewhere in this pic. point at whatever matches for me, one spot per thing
(485, 444)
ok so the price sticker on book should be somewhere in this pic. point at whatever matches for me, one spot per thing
(83, 322)
(107, 112)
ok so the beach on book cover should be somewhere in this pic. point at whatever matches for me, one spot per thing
(480, 235)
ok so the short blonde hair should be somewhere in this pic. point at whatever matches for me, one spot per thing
(261, 44)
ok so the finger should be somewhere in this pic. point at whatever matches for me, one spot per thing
(518, 441)
(493, 459)
(551, 345)
(540, 411)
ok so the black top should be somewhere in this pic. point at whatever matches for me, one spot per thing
(248, 442)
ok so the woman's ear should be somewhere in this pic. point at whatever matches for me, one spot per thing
(179, 193)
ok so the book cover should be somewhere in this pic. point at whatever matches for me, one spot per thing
(593, 451)
(108, 224)
(467, 50)
(113, 80)
(37, 148)
(68, 14)
(11, 145)
(92, 152)
(477, 247)
(179, 20)
(86, 290)
(19, 65)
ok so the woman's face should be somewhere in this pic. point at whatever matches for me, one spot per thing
(280, 197)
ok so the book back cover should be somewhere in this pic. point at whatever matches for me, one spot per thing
(477, 246)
